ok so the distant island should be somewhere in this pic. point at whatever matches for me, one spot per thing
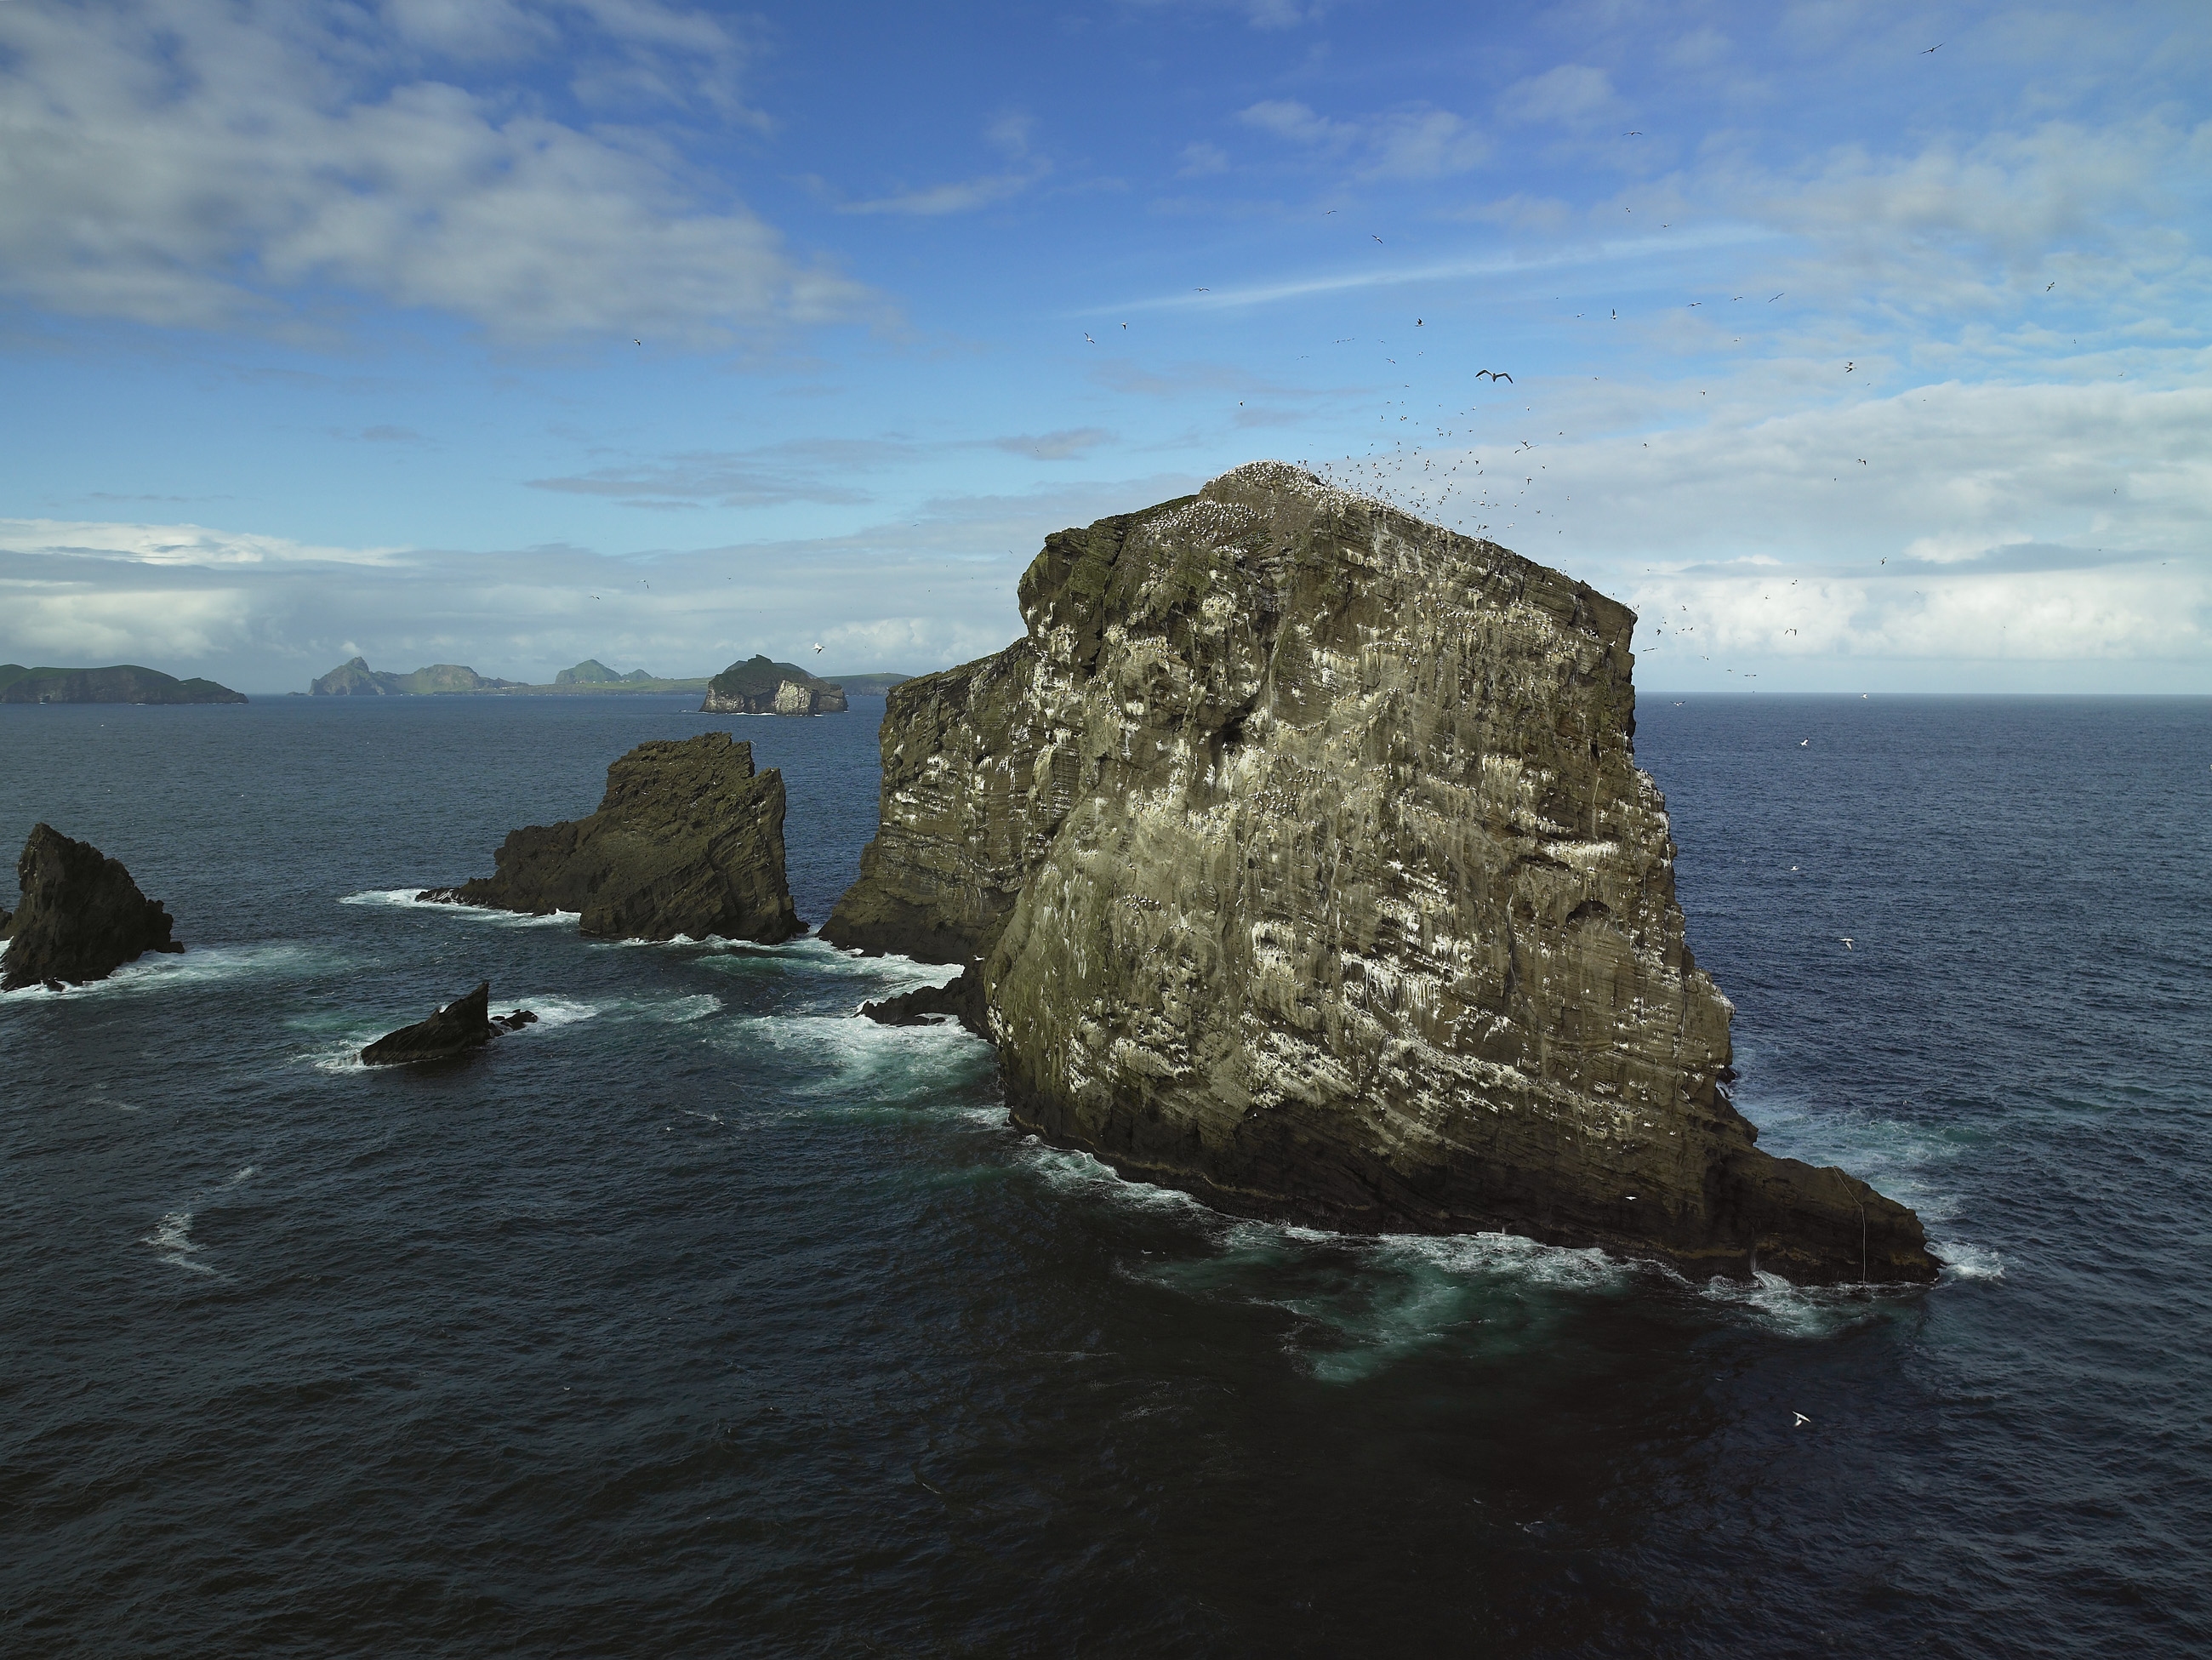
(757, 685)
(357, 679)
(761, 686)
(125, 683)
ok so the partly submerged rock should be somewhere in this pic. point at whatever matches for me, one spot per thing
(688, 840)
(465, 1024)
(758, 686)
(1300, 859)
(927, 1006)
(81, 917)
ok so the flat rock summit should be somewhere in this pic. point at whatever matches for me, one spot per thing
(1298, 857)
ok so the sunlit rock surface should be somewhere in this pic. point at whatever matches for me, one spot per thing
(1301, 860)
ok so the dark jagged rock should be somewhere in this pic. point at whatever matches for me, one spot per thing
(125, 683)
(465, 1024)
(82, 918)
(1298, 858)
(758, 686)
(932, 1005)
(688, 840)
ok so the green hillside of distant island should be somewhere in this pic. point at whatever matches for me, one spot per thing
(124, 682)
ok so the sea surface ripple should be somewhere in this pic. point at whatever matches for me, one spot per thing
(703, 1319)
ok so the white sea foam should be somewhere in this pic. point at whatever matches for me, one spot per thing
(1072, 1171)
(168, 971)
(1804, 1312)
(1962, 1260)
(404, 899)
(863, 1062)
(172, 1237)
(1508, 1256)
(872, 978)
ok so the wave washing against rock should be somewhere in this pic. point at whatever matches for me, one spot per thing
(404, 899)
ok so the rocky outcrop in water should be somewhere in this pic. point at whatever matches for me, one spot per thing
(758, 686)
(688, 840)
(465, 1024)
(82, 916)
(1300, 859)
(124, 682)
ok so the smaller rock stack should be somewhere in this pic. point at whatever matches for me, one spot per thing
(688, 840)
(82, 918)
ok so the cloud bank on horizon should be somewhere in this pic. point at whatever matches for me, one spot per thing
(1859, 348)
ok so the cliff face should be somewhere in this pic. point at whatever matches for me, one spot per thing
(81, 917)
(1301, 860)
(688, 840)
(125, 683)
(759, 686)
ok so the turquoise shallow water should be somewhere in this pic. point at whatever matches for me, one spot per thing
(703, 1319)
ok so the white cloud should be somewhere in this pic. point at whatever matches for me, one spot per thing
(1572, 95)
(1946, 525)
(180, 164)
(173, 544)
(928, 587)
(1413, 143)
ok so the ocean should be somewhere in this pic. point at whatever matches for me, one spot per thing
(702, 1318)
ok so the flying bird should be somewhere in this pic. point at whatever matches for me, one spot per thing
(2047, 287)
(1086, 335)
(1638, 134)
(1802, 743)
(1846, 939)
(1376, 238)
(1938, 46)
(1495, 374)
(1777, 297)
(1801, 1419)
(640, 343)
(818, 649)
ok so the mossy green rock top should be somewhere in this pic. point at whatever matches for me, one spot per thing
(688, 840)
(1300, 859)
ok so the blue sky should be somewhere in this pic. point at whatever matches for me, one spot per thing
(509, 333)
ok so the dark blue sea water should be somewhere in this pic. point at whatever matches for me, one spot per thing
(702, 1319)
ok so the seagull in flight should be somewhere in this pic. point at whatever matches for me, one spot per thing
(818, 649)
(1847, 940)
(1801, 1420)
(1376, 238)
(1802, 743)
(1938, 46)
(1494, 374)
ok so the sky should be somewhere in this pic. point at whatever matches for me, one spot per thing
(1857, 347)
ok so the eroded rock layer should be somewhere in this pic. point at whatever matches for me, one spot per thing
(82, 916)
(688, 840)
(1301, 860)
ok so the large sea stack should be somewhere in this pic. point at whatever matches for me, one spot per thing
(688, 840)
(1300, 859)
(81, 917)
(759, 686)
